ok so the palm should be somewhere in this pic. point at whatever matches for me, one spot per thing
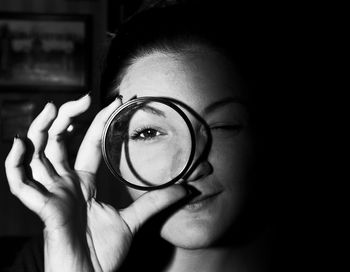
(69, 203)
(110, 236)
(64, 205)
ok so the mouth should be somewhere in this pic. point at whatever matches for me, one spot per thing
(201, 201)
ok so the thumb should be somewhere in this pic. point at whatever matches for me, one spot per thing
(150, 204)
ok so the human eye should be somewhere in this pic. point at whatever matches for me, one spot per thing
(226, 128)
(146, 134)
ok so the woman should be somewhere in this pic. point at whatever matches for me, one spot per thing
(212, 219)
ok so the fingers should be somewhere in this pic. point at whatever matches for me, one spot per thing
(55, 150)
(151, 203)
(66, 113)
(14, 166)
(19, 185)
(37, 134)
(89, 154)
(37, 131)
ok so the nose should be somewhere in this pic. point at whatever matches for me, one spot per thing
(199, 170)
(201, 167)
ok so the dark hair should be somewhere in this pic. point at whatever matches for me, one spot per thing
(180, 28)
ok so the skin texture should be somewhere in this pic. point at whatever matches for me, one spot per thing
(199, 79)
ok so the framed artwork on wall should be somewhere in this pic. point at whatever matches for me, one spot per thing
(44, 52)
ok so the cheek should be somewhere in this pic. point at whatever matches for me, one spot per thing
(232, 161)
(152, 164)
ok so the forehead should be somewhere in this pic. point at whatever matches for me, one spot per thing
(197, 79)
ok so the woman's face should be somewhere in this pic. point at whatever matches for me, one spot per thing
(205, 82)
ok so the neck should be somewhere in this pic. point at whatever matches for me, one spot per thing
(248, 258)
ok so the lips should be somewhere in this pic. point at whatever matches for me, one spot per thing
(203, 197)
(201, 202)
(203, 192)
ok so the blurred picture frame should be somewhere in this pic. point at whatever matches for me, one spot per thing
(44, 52)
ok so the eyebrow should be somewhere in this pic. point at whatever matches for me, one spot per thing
(223, 102)
(153, 110)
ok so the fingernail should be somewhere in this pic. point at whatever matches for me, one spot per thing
(16, 137)
(46, 107)
(120, 97)
(191, 191)
(85, 95)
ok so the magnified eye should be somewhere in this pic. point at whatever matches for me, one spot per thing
(149, 142)
(145, 134)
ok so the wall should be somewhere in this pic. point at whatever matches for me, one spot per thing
(15, 219)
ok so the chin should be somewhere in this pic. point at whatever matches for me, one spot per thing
(193, 237)
(195, 230)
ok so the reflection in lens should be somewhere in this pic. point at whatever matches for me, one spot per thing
(148, 143)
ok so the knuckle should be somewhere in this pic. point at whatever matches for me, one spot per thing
(8, 162)
(14, 189)
(37, 155)
(56, 137)
(64, 108)
(64, 112)
(31, 131)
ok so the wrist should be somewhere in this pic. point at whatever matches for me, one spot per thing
(66, 250)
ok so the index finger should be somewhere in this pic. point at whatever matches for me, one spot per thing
(89, 154)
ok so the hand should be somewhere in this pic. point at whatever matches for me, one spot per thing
(81, 234)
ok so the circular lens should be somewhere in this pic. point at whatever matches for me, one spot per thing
(148, 143)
